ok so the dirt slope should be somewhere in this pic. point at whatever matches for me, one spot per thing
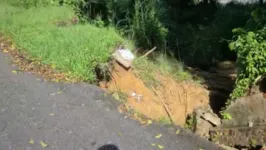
(180, 97)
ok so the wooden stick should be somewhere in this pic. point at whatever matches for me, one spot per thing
(164, 105)
(180, 99)
(186, 103)
(150, 51)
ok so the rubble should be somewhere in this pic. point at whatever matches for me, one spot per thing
(246, 111)
(250, 124)
(202, 127)
(212, 118)
(247, 126)
(137, 96)
(240, 136)
(205, 120)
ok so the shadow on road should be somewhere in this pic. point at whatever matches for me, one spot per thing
(108, 147)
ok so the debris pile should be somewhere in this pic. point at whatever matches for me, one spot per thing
(205, 120)
(247, 126)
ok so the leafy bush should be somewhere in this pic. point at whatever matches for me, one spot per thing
(250, 46)
(251, 52)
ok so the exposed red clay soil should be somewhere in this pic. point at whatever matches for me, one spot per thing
(180, 97)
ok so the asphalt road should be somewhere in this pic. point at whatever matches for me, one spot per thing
(73, 117)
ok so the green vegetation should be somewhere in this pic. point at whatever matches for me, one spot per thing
(75, 48)
(45, 31)
(193, 32)
(163, 65)
(191, 122)
(250, 45)
(77, 36)
(120, 96)
(226, 116)
(138, 19)
(165, 121)
(253, 142)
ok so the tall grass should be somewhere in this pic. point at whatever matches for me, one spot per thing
(148, 70)
(75, 48)
(138, 19)
(146, 28)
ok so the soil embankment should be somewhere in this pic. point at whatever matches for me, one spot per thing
(180, 97)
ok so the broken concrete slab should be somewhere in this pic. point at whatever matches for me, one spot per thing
(207, 114)
(246, 110)
(202, 128)
(212, 118)
(205, 120)
(240, 136)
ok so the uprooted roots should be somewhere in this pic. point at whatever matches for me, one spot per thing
(103, 72)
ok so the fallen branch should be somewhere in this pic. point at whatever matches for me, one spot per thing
(186, 101)
(164, 105)
(150, 51)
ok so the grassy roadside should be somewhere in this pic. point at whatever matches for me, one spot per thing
(162, 65)
(75, 49)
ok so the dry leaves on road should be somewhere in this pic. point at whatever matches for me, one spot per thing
(158, 136)
(44, 145)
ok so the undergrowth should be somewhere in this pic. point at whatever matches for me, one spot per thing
(162, 64)
(250, 45)
(191, 121)
(34, 28)
(165, 121)
(75, 49)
